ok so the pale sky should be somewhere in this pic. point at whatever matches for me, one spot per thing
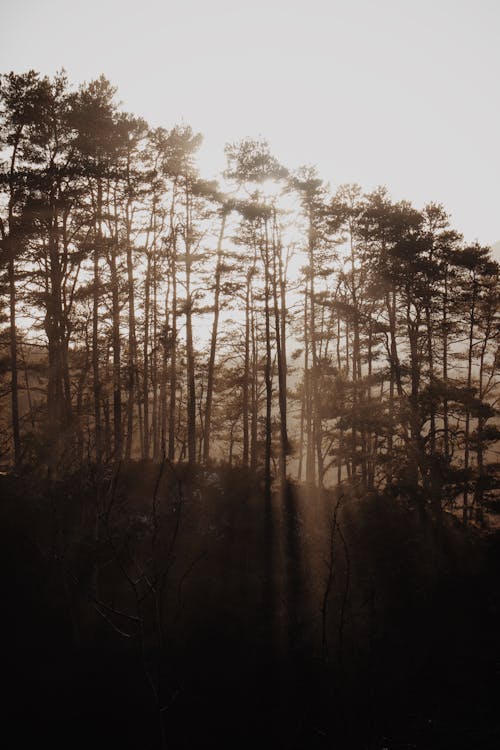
(379, 92)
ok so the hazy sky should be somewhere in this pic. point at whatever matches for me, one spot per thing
(405, 94)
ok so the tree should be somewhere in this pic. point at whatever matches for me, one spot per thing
(21, 101)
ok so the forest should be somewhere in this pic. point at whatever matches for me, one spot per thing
(249, 445)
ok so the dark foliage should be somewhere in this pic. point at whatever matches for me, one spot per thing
(405, 655)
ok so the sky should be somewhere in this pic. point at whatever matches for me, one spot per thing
(378, 92)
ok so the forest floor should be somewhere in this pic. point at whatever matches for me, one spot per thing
(152, 609)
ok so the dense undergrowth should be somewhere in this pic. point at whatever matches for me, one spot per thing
(149, 607)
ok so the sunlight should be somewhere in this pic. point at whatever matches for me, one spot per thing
(271, 189)
(249, 374)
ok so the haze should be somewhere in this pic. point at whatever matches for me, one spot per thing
(389, 92)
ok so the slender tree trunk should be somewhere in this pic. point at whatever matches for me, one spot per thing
(154, 361)
(95, 326)
(276, 280)
(481, 423)
(371, 439)
(246, 374)
(254, 388)
(268, 375)
(416, 457)
(22, 359)
(145, 362)
(341, 431)
(430, 364)
(445, 366)
(472, 319)
(14, 394)
(164, 374)
(395, 384)
(356, 371)
(190, 364)
(435, 474)
(308, 395)
(173, 360)
(213, 344)
(133, 380)
(316, 416)
(117, 396)
(350, 464)
(80, 394)
(56, 327)
(8, 243)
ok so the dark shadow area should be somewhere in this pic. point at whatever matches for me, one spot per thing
(154, 608)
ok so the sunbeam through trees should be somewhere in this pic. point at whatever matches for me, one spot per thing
(249, 440)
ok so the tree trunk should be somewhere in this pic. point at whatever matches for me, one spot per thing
(246, 373)
(279, 328)
(145, 360)
(133, 379)
(116, 340)
(254, 388)
(316, 416)
(190, 368)
(8, 244)
(472, 319)
(164, 375)
(14, 395)
(213, 345)
(267, 375)
(173, 360)
(154, 361)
